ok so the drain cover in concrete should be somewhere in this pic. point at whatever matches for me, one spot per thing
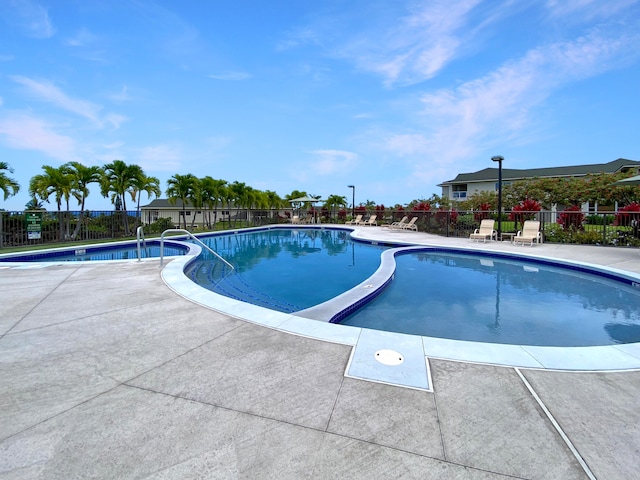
(392, 358)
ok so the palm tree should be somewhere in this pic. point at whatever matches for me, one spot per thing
(212, 193)
(274, 201)
(81, 177)
(7, 184)
(54, 181)
(142, 183)
(181, 187)
(34, 204)
(335, 201)
(118, 179)
(242, 195)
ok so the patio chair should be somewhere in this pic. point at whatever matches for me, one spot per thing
(396, 224)
(370, 221)
(530, 233)
(485, 232)
(295, 219)
(411, 225)
(356, 220)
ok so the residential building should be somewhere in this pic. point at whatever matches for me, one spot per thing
(466, 184)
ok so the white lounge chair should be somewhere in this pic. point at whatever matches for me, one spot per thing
(295, 219)
(397, 224)
(485, 232)
(370, 221)
(530, 233)
(356, 220)
(411, 225)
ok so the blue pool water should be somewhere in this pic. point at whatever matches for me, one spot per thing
(113, 252)
(285, 269)
(483, 298)
(494, 300)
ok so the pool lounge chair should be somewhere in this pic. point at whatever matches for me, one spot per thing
(295, 219)
(530, 233)
(485, 232)
(356, 220)
(370, 221)
(411, 225)
(397, 224)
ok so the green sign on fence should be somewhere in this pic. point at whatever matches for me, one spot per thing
(34, 225)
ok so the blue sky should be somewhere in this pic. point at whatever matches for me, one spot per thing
(393, 97)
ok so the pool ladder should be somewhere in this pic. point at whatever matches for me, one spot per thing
(140, 240)
(194, 238)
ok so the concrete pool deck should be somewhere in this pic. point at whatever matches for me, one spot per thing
(105, 372)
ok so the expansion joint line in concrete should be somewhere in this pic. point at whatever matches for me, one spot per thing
(38, 303)
(556, 425)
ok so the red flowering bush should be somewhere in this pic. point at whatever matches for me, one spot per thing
(483, 213)
(442, 215)
(572, 218)
(422, 207)
(525, 210)
(628, 215)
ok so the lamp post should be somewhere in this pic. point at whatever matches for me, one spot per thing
(499, 159)
(353, 200)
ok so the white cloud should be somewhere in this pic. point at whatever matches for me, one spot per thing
(328, 162)
(29, 133)
(417, 46)
(586, 10)
(467, 119)
(31, 17)
(48, 92)
(82, 38)
(161, 157)
(121, 96)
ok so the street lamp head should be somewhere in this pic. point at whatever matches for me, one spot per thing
(497, 158)
(351, 186)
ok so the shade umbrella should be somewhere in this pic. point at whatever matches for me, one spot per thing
(635, 180)
(307, 199)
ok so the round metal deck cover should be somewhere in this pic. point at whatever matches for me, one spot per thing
(389, 357)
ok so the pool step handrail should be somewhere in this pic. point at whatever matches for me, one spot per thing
(140, 239)
(194, 238)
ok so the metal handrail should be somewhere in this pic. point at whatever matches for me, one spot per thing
(140, 235)
(194, 238)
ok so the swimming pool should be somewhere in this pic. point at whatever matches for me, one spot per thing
(118, 251)
(443, 293)
(287, 270)
(496, 299)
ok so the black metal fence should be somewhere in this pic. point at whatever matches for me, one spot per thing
(33, 228)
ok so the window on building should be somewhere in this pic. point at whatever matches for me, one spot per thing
(459, 192)
(504, 184)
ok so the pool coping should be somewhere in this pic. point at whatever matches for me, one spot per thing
(417, 350)
(585, 359)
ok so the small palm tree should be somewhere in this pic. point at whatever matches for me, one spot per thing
(211, 190)
(54, 181)
(181, 187)
(335, 201)
(142, 183)
(81, 177)
(8, 185)
(118, 179)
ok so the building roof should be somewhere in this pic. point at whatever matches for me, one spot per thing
(165, 204)
(511, 174)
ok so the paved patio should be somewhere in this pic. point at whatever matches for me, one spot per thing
(105, 372)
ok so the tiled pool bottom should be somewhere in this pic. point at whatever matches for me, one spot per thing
(413, 371)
